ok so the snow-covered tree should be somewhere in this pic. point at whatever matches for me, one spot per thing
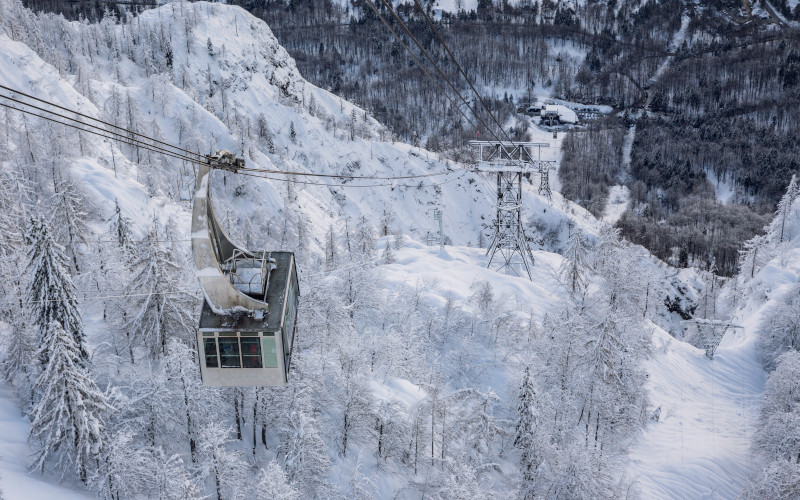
(391, 428)
(125, 469)
(184, 376)
(306, 458)
(362, 487)
(274, 485)
(226, 468)
(576, 261)
(779, 480)
(387, 221)
(120, 227)
(67, 420)
(483, 427)
(364, 239)
(69, 218)
(780, 330)
(526, 437)
(388, 256)
(355, 402)
(754, 255)
(777, 437)
(51, 293)
(173, 480)
(777, 230)
(17, 362)
(160, 307)
(331, 252)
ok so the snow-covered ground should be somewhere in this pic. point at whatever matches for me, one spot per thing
(700, 447)
(16, 483)
(618, 198)
(724, 190)
(456, 268)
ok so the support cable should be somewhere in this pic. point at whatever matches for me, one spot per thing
(460, 69)
(419, 63)
(436, 66)
(126, 137)
(387, 184)
(155, 149)
(121, 139)
(97, 120)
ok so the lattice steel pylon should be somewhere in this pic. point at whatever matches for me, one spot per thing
(544, 178)
(711, 332)
(509, 161)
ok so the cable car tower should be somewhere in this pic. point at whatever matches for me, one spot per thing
(249, 313)
(711, 332)
(510, 161)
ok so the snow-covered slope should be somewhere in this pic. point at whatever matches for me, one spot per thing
(700, 445)
(209, 76)
(15, 456)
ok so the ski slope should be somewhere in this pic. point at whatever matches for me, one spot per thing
(699, 448)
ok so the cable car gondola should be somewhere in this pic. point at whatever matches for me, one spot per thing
(249, 313)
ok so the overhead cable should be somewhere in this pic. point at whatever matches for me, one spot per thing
(116, 136)
(460, 69)
(112, 137)
(419, 63)
(436, 66)
(97, 120)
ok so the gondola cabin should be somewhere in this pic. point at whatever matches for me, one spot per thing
(249, 314)
(252, 350)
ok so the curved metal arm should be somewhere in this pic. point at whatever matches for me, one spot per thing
(211, 247)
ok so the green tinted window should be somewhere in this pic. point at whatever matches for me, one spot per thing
(270, 352)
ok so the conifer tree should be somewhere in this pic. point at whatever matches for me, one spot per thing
(159, 306)
(525, 436)
(51, 293)
(120, 227)
(388, 257)
(754, 254)
(16, 363)
(69, 219)
(778, 229)
(68, 418)
(331, 253)
(364, 238)
(576, 261)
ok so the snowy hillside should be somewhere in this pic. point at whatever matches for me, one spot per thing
(415, 372)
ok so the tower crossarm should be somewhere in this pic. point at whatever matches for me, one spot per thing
(490, 151)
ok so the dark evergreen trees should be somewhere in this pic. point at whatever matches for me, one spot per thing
(51, 294)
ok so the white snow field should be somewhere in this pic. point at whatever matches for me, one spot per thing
(618, 199)
(699, 448)
(16, 483)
